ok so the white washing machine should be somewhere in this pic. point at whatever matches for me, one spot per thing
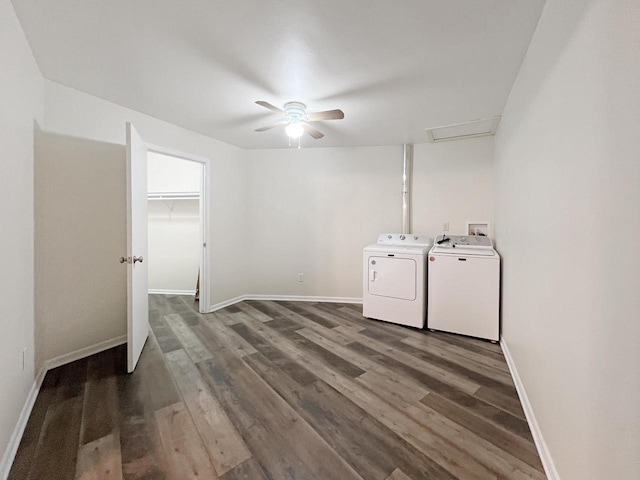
(464, 286)
(394, 279)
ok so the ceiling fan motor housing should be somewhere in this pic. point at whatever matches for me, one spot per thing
(295, 111)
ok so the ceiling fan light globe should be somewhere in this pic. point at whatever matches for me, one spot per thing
(294, 130)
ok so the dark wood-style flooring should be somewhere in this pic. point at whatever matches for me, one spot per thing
(281, 390)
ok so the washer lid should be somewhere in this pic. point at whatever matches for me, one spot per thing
(461, 251)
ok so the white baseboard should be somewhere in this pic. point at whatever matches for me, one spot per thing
(171, 292)
(226, 303)
(16, 436)
(541, 445)
(283, 298)
(84, 352)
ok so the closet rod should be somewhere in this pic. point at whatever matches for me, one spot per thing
(174, 196)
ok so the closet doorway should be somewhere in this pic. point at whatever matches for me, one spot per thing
(177, 219)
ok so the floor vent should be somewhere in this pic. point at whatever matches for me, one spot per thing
(458, 131)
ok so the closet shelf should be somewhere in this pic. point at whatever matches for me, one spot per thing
(173, 196)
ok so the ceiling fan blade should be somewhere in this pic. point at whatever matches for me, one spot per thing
(326, 115)
(273, 125)
(312, 131)
(269, 106)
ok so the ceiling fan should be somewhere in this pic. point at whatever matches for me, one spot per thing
(297, 119)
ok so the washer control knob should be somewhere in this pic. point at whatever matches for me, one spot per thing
(415, 237)
(389, 237)
(402, 237)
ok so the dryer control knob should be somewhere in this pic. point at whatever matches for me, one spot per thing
(402, 237)
(389, 237)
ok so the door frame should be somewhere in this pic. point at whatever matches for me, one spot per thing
(205, 192)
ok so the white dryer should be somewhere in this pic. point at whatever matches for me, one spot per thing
(394, 279)
(464, 286)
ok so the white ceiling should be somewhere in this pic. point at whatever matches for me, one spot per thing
(395, 67)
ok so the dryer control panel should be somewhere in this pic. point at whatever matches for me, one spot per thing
(408, 239)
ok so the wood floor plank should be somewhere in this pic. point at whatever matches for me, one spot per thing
(312, 313)
(485, 451)
(249, 309)
(482, 408)
(292, 369)
(186, 455)
(455, 460)
(164, 335)
(100, 459)
(229, 338)
(179, 304)
(142, 454)
(490, 371)
(273, 390)
(461, 370)
(369, 447)
(501, 400)
(431, 369)
(382, 376)
(71, 384)
(415, 434)
(305, 453)
(159, 382)
(225, 317)
(336, 362)
(391, 386)
(223, 443)
(190, 342)
(398, 474)
(57, 448)
(442, 341)
(309, 319)
(99, 417)
(26, 451)
(521, 448)
(475, 345)
(250, 469)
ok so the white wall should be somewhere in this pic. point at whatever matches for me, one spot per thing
(171, 174)
(21, 90)
(174, 225)
(174, 245)
(80, 232)
(74, 118)
(568, 216)
(453, 183)
(312, 211)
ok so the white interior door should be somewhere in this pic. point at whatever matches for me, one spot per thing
(137, 230)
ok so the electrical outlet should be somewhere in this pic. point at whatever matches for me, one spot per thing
(301, 277)
(445, 227)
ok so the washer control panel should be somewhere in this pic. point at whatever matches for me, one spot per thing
(464, 241)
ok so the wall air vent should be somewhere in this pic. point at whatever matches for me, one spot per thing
(458, 131)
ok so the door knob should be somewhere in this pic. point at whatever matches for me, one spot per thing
(137, 259)
(125, 260)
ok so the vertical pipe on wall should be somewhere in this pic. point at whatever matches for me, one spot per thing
(407, 169)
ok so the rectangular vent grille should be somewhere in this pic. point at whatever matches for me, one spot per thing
(458, 131)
